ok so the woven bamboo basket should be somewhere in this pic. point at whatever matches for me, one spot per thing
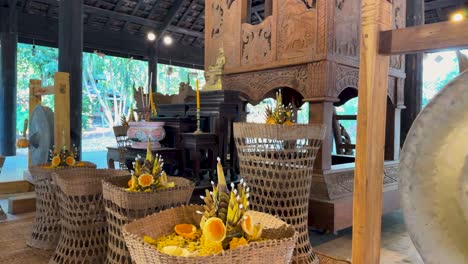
(83, 237)
(278, 248)
(123, 207)
(46, 227)
(277, 163)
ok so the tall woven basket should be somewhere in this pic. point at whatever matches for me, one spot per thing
(83, 238)
(123, 207)
(277, 163)
(277, 249)
(46, 227)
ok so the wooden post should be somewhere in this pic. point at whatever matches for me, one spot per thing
(321, 112)
(413, 66)
(368, 179)
(62, 110)
(8, 47)
(70, 60)
(153, 65)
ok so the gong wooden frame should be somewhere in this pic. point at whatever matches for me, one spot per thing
(61, 92)
(377, 43)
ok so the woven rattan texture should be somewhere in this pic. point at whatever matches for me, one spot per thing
(278, 247)
(46, 228)
(83, 238)
(123, 207)
(277, 163)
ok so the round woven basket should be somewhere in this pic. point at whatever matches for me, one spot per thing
(277, 163)
(278, 247)
(46, 227)
(83, 237)
(123, 207)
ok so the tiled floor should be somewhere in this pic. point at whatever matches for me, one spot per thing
(396, 245)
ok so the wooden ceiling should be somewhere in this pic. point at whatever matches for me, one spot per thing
(440, 10)
(119, 27)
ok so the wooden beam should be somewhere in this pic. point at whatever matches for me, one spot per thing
(437, 4)
(414, 72)
(186, 31)
(44, 31)
(369, 169)
(23, 203)
(116, 9)
(424, 38)
(15, 187)
(169, 18)
(137, 7)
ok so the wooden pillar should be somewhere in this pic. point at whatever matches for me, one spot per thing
(414, 71)
(321, 112)
(153, 65)
(368, 179)
(71, 61)
(8, 48)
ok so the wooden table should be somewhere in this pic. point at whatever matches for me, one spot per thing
(172, 158)
(196, 145)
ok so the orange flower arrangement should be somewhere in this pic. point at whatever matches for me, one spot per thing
(64, 158)
(149, 174)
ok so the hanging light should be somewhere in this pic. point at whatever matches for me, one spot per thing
(457, 17)
(170, 70)
(33, 52)
(167, 40)
(151, 36)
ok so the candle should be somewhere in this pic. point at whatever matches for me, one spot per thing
(198, 94)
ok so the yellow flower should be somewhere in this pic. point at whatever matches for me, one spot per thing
(237, 242)
(70, 161)
(209, 247)
(55, 161)
(145, 180)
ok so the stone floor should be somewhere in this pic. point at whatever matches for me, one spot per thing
(396, 245)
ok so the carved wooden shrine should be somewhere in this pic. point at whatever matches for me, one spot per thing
(310, 49)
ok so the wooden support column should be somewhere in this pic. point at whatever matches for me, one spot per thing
(153, 65)
(8, 48)
(368, 179)
(71, 61)
(321, 112)
(414, 71)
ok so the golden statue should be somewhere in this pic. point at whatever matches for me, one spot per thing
(213, 76)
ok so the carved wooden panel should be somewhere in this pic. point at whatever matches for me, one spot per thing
(307, 79)
(399, 21)
(345, 36)
(297, 28)
(258, 42)
(345, 77)
(222, 30)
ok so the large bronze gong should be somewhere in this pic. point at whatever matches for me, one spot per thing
(41, 134)
(433, 176)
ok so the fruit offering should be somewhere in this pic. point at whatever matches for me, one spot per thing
(148, 174)
(226, 224)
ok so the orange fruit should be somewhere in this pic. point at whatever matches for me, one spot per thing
(247, 224)
(145, 180)
(214, 229)
(186, 231)
(55, 161)
(70, 161)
